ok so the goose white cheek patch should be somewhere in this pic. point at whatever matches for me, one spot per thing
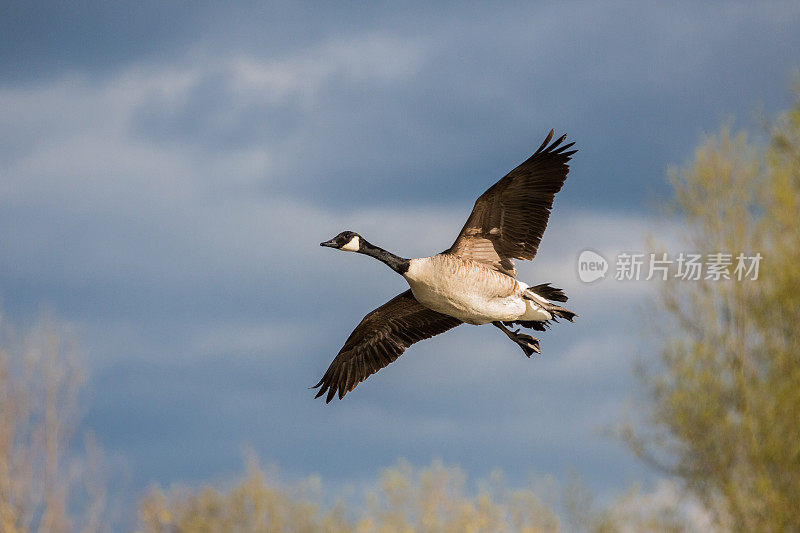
(351, 246)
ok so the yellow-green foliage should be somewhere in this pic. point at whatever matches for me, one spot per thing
(725, 399)
(254, 504)
(436, 499)
(40, 472)
(433, 499)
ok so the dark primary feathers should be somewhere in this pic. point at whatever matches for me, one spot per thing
(545, 290)
(380, 338)
(508, 220)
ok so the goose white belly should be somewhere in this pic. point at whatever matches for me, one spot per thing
(470, 308)
(469, 291)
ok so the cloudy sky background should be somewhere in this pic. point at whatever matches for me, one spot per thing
(168, 170)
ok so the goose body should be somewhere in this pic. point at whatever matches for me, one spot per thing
(473, 281)
(470, 291)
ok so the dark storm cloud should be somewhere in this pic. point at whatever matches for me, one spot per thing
(632, 85)
(41, 40)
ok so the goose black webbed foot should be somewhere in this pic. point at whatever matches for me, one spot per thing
(529, 345)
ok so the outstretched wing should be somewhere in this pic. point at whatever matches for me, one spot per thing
(508, 220)
(380, 338)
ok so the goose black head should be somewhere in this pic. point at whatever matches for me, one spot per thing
(349, 241)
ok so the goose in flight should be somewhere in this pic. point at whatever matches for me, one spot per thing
(473, 282)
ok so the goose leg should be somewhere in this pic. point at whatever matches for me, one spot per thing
(529, 345)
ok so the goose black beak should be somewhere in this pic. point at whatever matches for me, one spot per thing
(329, 244)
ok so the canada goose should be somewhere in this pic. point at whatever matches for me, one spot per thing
(473, 281)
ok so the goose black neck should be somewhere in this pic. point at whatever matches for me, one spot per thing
(398, 264)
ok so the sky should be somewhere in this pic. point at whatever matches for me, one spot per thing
(167, 171)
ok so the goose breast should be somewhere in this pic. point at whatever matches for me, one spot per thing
(465, 289)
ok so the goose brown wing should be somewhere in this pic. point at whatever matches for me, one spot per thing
(380, 338)
(508, 220)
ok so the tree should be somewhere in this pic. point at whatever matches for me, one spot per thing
(406, 499)
(44, 485)
(723, 407)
